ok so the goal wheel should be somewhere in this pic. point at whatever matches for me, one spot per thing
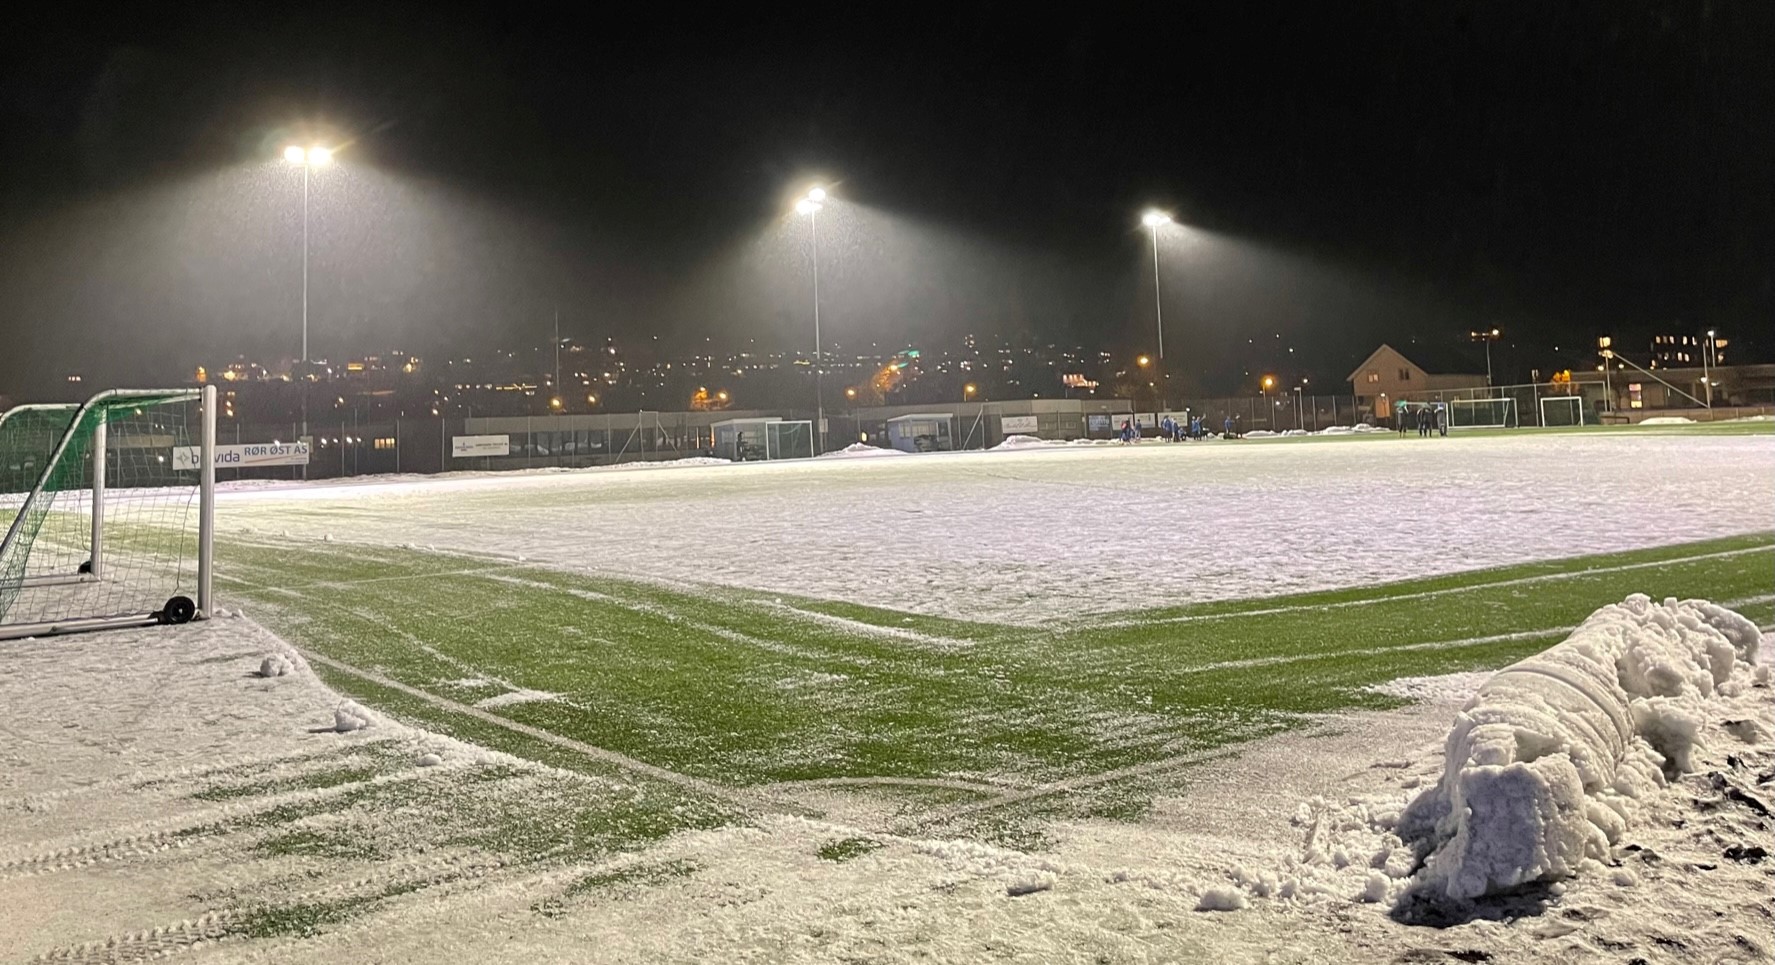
(85, 568)
(179, 609)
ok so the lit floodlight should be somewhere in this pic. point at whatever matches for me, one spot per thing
(805, 206)
(295, 155)
(1154, 218)
(320, 156)
(816, 195)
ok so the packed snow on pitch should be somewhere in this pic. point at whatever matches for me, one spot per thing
(1044, 532)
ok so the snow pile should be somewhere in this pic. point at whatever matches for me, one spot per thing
(1221, 898)
(1667, 420)
(1541, 767)
(1020, 442)
(349, 717)
(1357, 429)
(276, 665)
(861, 449)
(1260, 434)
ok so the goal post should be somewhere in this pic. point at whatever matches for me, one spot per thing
(1562, 410)
(109, 508)
(1490, 413)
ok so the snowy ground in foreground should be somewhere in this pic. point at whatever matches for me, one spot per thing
(106, 735)
(1033, 534)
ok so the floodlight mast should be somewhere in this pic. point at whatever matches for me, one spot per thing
(307, 158)
(810, 205)
(1155, 219)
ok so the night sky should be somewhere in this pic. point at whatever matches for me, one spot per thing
(1351, 172)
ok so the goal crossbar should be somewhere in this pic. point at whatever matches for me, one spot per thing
(76, 466)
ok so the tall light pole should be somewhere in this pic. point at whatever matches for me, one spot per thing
(1155, 219)
(810, 206)
(1706, 368)
(307, 159)
(1487, 337)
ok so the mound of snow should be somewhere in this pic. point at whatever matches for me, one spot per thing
(1667, 420)
(349, 717)
(1260, 434)
(1021, 442)
(430, 760)
(861, 449)
(275, 665)
(1296, 432)
(1221, 898)
(1541, 767)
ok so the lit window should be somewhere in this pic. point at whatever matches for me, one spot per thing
(385, 442)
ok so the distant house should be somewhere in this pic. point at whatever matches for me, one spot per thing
(1387, 377)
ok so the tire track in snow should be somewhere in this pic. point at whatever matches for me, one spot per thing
(735, 796)
(1230, 749)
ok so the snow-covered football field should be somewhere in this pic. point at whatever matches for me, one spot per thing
(1034, 535)
(1106, 704)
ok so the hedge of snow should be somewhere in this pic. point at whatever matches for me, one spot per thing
(1540, 767)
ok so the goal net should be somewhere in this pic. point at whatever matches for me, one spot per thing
(1497, 413)
(1562, 410)
(108, 508)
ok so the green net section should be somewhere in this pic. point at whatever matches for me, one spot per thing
(147, 543)
(28, 436)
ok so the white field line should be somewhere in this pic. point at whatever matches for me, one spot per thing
(862, 629)
(673, 616)
(342, 584)
(937, 782)
(731, 795)
(1372, 651)
(1445, 591)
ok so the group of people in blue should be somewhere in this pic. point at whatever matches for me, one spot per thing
(1172, 429)
(1429, 420)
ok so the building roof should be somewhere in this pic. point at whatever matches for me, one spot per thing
(1435, 357)
(924, 415)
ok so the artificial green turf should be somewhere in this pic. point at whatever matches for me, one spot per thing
(742, 688)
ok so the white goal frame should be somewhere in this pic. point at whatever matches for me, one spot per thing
(94, 571)
(1577, 402)
(1511, 419)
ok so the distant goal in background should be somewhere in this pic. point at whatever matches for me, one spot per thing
(109, 508)
(1562, 410)
(1494, 413)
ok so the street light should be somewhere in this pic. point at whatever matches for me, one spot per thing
(1154, 219)
(967, 391)
(810, 205)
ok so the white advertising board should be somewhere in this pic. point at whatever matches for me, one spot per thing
(1017, 424)
(465, 446)
(249, 455)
